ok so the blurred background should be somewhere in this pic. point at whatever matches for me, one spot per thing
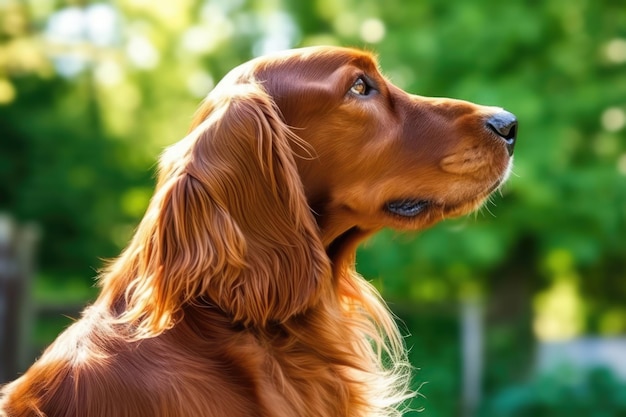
(519, 310)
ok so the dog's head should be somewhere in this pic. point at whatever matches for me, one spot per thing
(375, 155)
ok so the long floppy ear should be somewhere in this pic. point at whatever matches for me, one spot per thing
(229, 222)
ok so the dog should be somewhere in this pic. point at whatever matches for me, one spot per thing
(237, 295)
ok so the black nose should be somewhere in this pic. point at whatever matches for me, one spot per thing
(504, 124)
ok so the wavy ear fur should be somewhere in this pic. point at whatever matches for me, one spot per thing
(229, 223)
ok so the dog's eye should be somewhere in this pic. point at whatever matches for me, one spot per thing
(360, 87)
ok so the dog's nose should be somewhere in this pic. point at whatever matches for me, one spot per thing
(504, 124)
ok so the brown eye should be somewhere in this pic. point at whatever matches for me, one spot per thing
(360, 87)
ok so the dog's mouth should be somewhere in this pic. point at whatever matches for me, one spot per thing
(407, 207)
(410, 208)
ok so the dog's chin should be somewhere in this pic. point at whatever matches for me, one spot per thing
(413, 214)
(403, 215)
(419, 212)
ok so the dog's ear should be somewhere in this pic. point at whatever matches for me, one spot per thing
(229, 222)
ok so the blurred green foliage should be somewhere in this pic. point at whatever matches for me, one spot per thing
(596, 393)
(85, 110)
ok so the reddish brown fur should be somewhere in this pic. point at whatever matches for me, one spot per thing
(237, 295)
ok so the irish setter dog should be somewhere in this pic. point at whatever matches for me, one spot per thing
(237, 295)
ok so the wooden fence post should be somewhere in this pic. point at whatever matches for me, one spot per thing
(17, 249)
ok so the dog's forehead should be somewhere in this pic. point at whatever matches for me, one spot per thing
(330, 57)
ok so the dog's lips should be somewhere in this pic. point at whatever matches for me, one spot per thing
(410, 208)
(407, 207)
